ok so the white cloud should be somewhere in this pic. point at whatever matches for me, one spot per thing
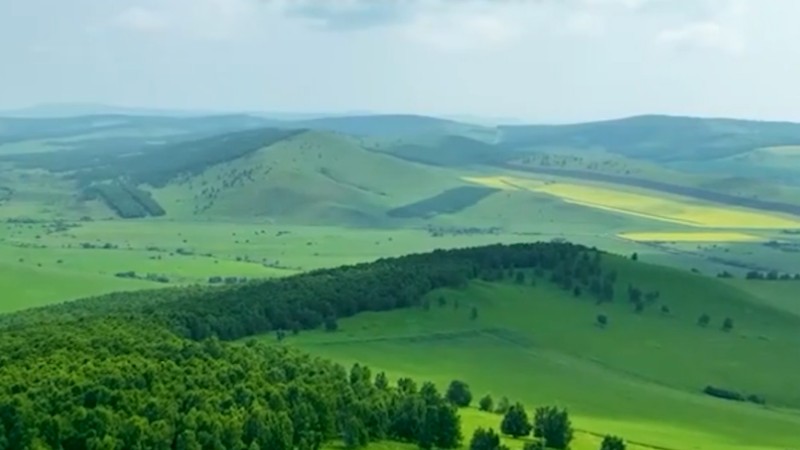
(463, 32)
(142, 19)
(585, 24)
(475, 25)
(703, 35)
(203, 19)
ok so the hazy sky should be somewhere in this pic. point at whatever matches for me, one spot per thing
(538, 60)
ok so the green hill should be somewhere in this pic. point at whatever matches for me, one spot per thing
(112, 132)
(657, 138)
(519, 321)
(633, 377)
(311, 177)
(394, 126)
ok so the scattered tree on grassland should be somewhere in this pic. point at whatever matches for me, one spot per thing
(612, 443)
(486, 403)
(503, 405)
(485, 439)
(515, 422)
(727, 325)
(458, 393)
(553, 426)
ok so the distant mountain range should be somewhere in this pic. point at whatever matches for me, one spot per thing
(62, 110)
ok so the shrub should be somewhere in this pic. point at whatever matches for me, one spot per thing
(483, 439)
(612, 443)
(502, 406)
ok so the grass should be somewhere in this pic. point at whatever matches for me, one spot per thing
(778, 294)
(672, 236)
(191, 252)
(635, 378)
(26, 286)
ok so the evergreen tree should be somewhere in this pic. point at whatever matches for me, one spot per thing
(354, 434)
(515, 422)
(382, 381)
(553, 426)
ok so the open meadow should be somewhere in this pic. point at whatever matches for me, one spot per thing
(542, 347)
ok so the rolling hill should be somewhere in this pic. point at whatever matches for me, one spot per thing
(507, 320)
(310, 177)
(247, 220)
(657, 138)
(395, 126)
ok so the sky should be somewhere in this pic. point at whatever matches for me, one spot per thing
(546, 61)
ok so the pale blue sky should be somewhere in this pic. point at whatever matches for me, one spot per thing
(538, 60)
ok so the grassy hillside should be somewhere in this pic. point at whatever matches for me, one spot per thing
(312, 177)
(547, 348)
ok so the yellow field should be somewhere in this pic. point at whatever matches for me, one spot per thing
(662, 207)
(690, 236)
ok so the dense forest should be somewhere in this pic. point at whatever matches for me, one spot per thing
(109, 385)
(152, 369)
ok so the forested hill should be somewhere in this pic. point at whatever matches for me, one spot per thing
(112, 372)
(315, 299)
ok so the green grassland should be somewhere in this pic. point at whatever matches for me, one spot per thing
(269, 203)
(634, 378)
(29, 285)
(190, 248)
(777, 294)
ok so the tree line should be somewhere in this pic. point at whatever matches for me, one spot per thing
(309, 300)
(127, 201)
